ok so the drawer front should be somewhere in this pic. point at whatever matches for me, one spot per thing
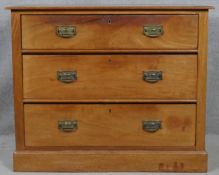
(110, 125)
(110, 77)
(88, 32)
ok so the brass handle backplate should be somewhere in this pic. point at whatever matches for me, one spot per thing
(66, 76)
(65, 31)
(151, 125)
(153, 30)
(68, 125)
(152, 76)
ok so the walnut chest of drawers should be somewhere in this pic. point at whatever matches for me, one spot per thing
(110, 88)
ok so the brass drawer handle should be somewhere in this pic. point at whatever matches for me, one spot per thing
(66, 31)
(153, 31)
(66, 76)
(68, 125)
(151, 125)
(152, 76)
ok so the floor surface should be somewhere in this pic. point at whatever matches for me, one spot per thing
(7, 148)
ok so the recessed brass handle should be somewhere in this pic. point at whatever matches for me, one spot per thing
(66, 76)
(151, 125)
(66, 31)
(152, 76)
(68, 125)
(153, 31)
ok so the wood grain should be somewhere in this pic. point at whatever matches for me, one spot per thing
(202, 76)
(109, 32)
(111, 12)
(110, 77)
(17, 80)
(110, 125)
(110, 98)
(114, 161)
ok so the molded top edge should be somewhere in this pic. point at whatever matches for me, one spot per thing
(143, 7)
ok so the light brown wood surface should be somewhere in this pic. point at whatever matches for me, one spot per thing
(109, 32)
(104, 161)
(110, 77)
(202, 77)
(110, 12)
(110, 125)
(110, 99)
(17, 80)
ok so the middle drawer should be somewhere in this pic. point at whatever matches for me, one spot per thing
(110, 77)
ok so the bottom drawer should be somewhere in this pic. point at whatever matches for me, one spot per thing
(110, 125)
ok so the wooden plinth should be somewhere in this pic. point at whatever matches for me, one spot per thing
(111, 161)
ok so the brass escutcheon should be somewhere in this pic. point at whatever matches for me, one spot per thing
(68, 125)
(65, 31)
(66, 76)
(152, 76)
(151, 125)
(153, 30)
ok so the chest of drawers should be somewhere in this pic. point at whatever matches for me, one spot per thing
(110, 88)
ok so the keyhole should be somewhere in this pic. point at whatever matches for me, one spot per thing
(110, 110)
(109, 21)
(110, 61)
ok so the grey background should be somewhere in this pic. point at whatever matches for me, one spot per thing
(6, 92)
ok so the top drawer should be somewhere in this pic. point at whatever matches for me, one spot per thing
(110, 32)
